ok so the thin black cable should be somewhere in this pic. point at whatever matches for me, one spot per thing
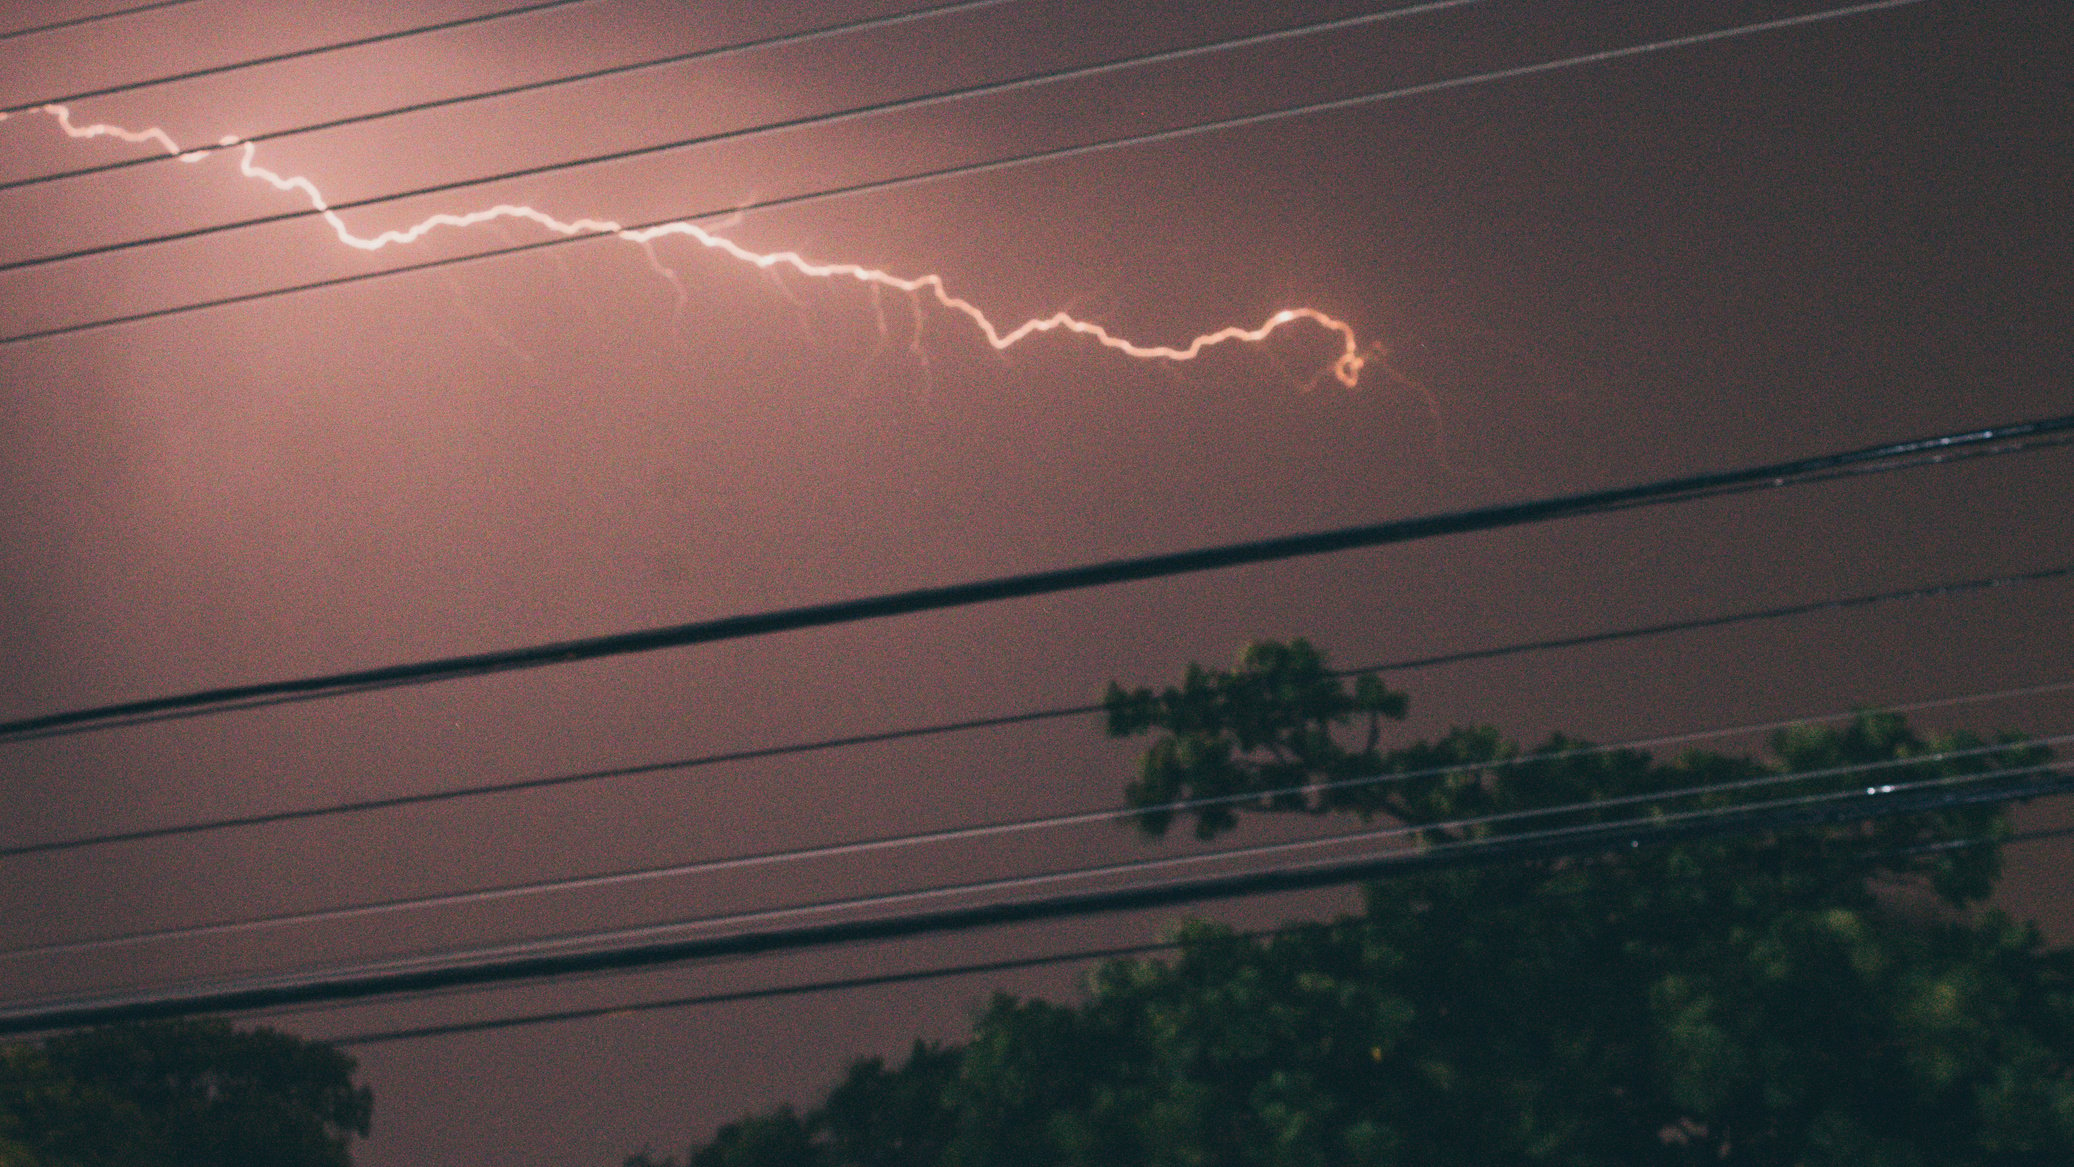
(837, 117)
(765, 916)
(1934, 450)
(683, 58)
(999, 828)
(873, 980)
(296, 54)
(1985, 840)
(1007, 719)
(728, 923)
(2033, 836)
(591, 941)
(939, 972)
(345, 985)
(998, 721)
(1928, 591)
(860, 981)
(96, 18)
(958, 171)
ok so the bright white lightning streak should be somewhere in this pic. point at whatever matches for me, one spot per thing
(1346, 368)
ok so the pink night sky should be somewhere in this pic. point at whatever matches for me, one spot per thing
(1821, 236)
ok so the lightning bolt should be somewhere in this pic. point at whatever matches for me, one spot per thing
(1346, 367)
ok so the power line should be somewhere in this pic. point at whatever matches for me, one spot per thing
(1983, 840)
(391, 979)
(769, 42)
(873, 980)
(908, 976)
(1993, 440)
(96, 18)
(547, 945)
(997, 721)
(1728, 619)
(296, 54)
(957, 171)
(872, 109)
(1018, 826)
(1404, 831)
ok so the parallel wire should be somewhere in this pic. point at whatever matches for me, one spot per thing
(1084, 818)
(1541, 811)
(1984, 840)
(96, 18)
(961, 170)
(586, 941)
(905, 976)
(693, 55)
(296, 54)
(676, 930)
(1929, 451)
(866, 981)
(475, 969)
(1000, 721)
(804, 121)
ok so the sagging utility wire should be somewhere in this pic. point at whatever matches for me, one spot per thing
(804, 121)
(289, 55)
(1927, 451)
(1345, 368)
(1025, 717)
(996, 830)
(690, 56)
(93, 18)
(876, 980)
(400, 977)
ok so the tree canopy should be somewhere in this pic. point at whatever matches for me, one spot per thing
(183, 1093)
(1813, 995)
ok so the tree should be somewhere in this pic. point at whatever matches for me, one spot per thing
(875, 1118)
(185, 1093)
(1759, 999)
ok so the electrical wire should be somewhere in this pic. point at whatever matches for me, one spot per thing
(679, 929)
(1984, 840)
(971, 832)
(391, 978)
(1025, 826)
(95, 18)
(956, 171)
(1936, 450)
(906, 976)
(694, 55)
(997, 721)
(297, 54)
(1889, 3)
(421, 962)
(867, 981)
(805, 121)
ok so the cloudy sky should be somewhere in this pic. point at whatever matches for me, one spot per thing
(1814, 237)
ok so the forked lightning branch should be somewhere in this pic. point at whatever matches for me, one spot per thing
(928, 288)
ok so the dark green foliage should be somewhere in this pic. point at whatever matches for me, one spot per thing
(1760, 1000)
(778, 1139)
(891, 1118)
(1263, 730)
(877, 1117)
(49, 1119)
(189, 1093)
(1571, 1026)
(1267, 735)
